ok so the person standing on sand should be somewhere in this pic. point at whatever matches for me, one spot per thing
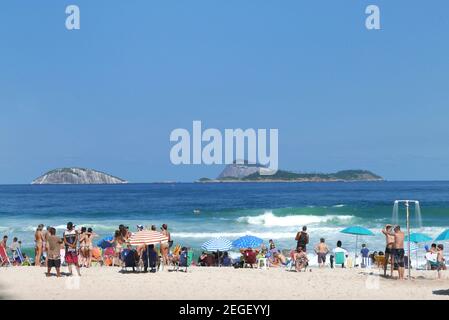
(165, 247)
(389, 238)
(70, 242)
(53, 252)
(45, 234)
(89, 246)
(322, 250)
(38, 239)
(398, 251)
(440, 259)
(302, 239)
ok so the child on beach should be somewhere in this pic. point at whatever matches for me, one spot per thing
(365, 256)
(322, 250)
(440, 259)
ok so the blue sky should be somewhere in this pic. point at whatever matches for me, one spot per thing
(107, 96)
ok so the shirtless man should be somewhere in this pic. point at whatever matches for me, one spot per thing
(389, 237)
(38, 238)
(322, 250)
(398, 251)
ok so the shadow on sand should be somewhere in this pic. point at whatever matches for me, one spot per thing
(441, 292)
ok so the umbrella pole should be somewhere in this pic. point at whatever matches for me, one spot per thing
(409, 245)
(355, 252)
(417, 247)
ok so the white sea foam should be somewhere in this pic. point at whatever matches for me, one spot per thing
(233, 235)
(339, 206)
(268, 219)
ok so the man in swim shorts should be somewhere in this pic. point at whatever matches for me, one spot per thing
(398, 251)
(70, 242)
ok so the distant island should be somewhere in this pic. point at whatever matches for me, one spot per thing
(250, 173)
(77, 176)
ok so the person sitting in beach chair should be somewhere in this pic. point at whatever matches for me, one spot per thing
(250, 258)
(210, 260)
(339, 255)
(97, 257)
(227, 261)
(202, 260)
(301, 260)
(130, 258)
(185, 259)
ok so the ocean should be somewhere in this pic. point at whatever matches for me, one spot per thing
(267, 210)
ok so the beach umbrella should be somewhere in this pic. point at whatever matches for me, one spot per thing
(147, 237)
(444, 236)
(104, 243)
(247, 242)
(417, 238)
(357, 231)
(217, 244)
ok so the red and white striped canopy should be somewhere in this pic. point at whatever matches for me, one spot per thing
(147, 237)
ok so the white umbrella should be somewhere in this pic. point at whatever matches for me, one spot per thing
(147, 237)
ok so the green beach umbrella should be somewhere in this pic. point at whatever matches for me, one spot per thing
(444, 236)
(417, 238)
(357, 231)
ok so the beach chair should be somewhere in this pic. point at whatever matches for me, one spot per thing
(185, 261)
(19, 256)
(4, 259)
(291, 265)
(340, 258)
(250, 259)
(129, 259)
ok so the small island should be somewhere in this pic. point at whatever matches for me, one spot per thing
(77, 176)
(251, 173)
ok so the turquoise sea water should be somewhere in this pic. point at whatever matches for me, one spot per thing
(271, 211)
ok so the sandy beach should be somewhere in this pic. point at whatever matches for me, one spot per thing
(219, 283)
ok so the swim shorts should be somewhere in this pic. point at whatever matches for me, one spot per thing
(54, 263)
(399, 257)
(71, 258)
(322, 257)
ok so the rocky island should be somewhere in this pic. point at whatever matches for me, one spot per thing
(77, 176)
(251, 173)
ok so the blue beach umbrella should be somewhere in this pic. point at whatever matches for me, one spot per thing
(247, 242)
(217, 244)
(357, 231)
(419, 238)
(444, 236)
(104, 243)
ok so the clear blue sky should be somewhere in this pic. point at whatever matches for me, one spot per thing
(108, 96)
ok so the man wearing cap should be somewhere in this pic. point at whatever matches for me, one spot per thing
(70, 242)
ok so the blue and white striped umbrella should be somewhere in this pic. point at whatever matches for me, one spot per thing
(217, 244)
(247, 242)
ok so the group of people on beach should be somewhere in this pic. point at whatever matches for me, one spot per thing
(76, 249)
(395, 253)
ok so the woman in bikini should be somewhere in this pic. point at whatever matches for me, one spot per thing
(117, 242)
(301, 260)
(82, 241)
(89, 246)
(38, 238)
